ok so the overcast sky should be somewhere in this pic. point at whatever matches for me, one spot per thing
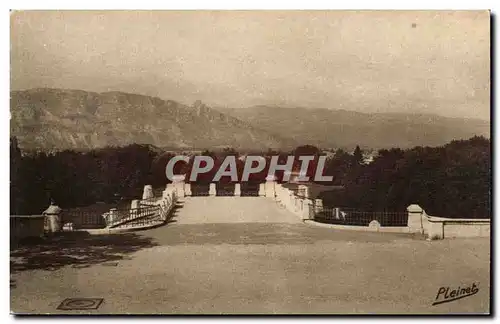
(434, 62)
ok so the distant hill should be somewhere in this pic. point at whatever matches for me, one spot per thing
(74, 119)
(341, 128)
(51, 119)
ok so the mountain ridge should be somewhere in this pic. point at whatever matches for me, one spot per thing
(66, 118)
(51, 118)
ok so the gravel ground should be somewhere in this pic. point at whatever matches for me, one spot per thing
(245, 256)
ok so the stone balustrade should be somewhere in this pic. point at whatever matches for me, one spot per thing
(441, 227)
(298, 205)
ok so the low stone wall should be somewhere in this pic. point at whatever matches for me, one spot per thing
(26, 226)
(147, 208)
(418, 220)
(298, 205)
(441, 227)
(373, 228)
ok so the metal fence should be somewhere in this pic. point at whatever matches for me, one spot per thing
(143, 216)
(199, 190)
(94, 219)
(222, 189)
(249, 189)
(83, 219)
(353, 217)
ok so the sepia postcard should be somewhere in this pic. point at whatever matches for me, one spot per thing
(250, 162)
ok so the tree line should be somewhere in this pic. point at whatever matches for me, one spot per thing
(453, 180)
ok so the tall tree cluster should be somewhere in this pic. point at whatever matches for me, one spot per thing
(453, 180)
(74, 179)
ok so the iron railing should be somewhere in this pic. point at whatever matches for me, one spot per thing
(224, 189)
(249, 189)
(140, 217)
(93, 219)
(353, 217)
(200, 190)
(129, 217)
(83, 219)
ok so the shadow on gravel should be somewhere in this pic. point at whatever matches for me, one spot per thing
(79, 249)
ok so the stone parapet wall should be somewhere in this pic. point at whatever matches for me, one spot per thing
(27, 226)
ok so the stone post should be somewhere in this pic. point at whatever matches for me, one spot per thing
(178, 184)
(166, 193)
(374, 226)
(278, 191)
(291, 199)
(213, 190)
(52, 213)
(237, 190)
(147, 192)
(269, 187)
(318, 206)
(112, 215)
(187, 189)
(415, 214)
(262, 189)
(306, 212)
(136, 204)
(435, 231)
(305, 190)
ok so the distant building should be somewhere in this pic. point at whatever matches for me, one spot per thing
(368, 157)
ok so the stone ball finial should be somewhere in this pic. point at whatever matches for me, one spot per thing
(374, 224)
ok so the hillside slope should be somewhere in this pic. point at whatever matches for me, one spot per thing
(341, 128)
(74, 119)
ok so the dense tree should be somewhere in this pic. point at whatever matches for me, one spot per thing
(306, 150)
(357, 156)
(453, 180)
(449, 181)
(76, 179)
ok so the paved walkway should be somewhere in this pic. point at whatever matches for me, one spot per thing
(203, 210)
(246, 255)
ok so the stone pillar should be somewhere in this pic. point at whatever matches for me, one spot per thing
(291, 199)
(166, 193)
(278, 188)
(415, 214)
(213, 190)
(147, 192)
(52, 213)
(374, 226)
(112, 215)
(269, 187)
(237, 190)
(306, 211)
(318, 205)
(262, 189)
(304, 190)
(178, 184)
(135, 204)
(299, 205)
(187, 189)
(435, 231)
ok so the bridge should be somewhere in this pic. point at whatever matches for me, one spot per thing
(245, 255)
